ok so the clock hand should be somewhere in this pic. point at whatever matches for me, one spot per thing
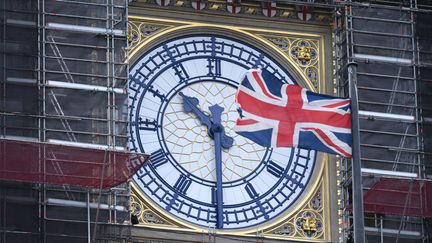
(191, 104)
(217, 130)
(226, 141)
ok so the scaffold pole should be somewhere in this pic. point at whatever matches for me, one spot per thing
(359, 233)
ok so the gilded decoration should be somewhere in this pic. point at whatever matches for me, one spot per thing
(308, 223)
(304, 52)
(309, 220)
(138, 32)
(144, 214)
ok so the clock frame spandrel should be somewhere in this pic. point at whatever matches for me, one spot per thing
(209, 66)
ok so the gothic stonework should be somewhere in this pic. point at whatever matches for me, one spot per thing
(308, 223)
(251, 8)
(140, 31)
(304, 52)
(145, 215)
(287, 230)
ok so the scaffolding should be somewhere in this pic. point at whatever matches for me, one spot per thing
(384, 39)
(63, 92)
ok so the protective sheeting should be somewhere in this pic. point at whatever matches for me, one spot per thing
(82, 49)
(400, 197)
(18, 72)
(64, 74)
(424, 36)
(383, 48)
(66, 165)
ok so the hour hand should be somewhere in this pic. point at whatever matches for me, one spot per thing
(226, 141)
(190, 104)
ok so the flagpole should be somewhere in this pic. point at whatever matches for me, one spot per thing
(357, 198)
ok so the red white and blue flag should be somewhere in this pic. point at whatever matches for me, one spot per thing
(276, 114)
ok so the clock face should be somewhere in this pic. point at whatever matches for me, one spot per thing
(258, 183)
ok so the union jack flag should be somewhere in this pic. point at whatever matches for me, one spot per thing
(276, 114)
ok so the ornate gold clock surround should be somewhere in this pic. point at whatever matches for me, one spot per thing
(313, 215)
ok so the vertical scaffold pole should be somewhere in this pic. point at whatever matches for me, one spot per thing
(88, 218)
(357, 198)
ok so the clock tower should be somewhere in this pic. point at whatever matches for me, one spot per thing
(203, 181)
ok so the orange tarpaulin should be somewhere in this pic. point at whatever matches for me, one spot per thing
(66, 165)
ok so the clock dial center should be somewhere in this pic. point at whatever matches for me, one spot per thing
(190, 143)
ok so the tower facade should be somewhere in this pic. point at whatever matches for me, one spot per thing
(179, 51)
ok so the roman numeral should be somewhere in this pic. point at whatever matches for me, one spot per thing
(180, 71)
(254, 194)
(156, 93)
(274, 169)
(251, 190)
(257, 61)
(213, 195)
(158, 158)
(182, 184)
(213, 46)
(214, 67)
(147, 124)
(294, 181)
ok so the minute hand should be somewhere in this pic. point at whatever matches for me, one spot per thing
(217, 131)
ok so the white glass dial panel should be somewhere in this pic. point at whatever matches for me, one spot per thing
(190, 143)
(259, 184)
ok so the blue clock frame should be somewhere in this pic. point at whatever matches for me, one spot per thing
(156, 80)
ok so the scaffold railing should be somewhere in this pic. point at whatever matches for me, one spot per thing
(382, 38)
(63, 107)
